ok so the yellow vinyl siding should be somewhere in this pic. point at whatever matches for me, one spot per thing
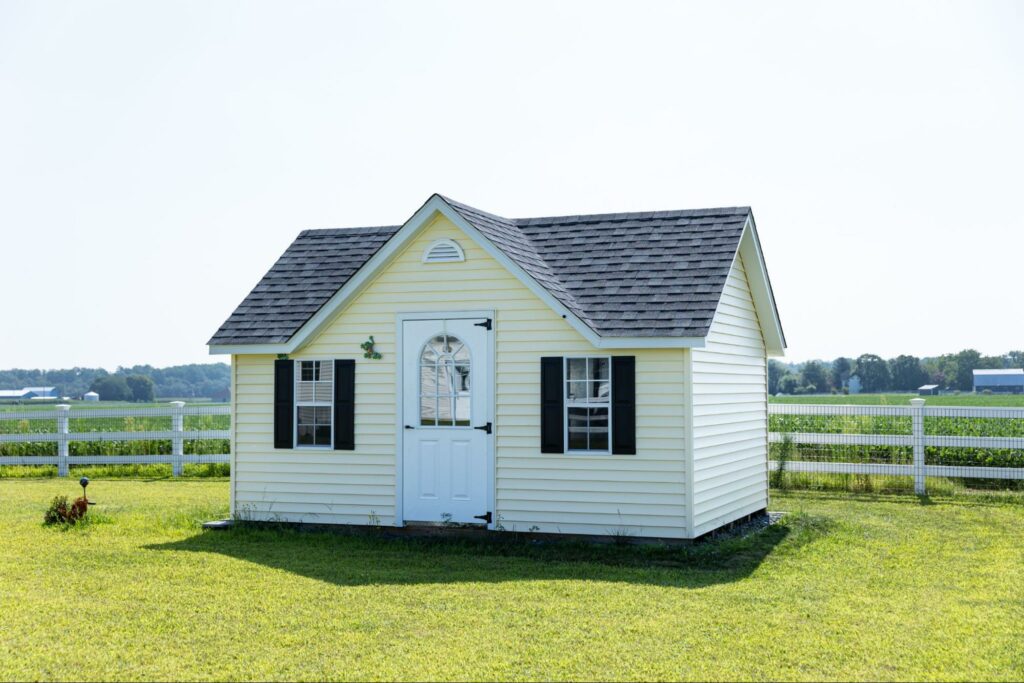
(730, 412)
(641, 495)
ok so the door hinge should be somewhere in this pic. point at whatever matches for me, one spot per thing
(486, 428)
(486, 517)
(485, 324)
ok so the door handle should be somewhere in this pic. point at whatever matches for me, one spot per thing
(409, 427)
(485, 428)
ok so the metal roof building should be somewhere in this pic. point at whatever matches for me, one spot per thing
(999, 381)
(28, 393)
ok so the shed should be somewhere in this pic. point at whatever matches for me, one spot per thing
(90, 396)
(595, 374)
(999, 381)
(928, 390)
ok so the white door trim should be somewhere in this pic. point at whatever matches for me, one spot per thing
(400, 319)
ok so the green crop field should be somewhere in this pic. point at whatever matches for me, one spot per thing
(10, 406)
(844, 588)
(936, 424)
(967, 400)
(127, 423)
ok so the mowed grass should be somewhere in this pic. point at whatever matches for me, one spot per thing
(847, 587)
(964, 399)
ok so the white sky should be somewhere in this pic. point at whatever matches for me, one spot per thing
(156, 158)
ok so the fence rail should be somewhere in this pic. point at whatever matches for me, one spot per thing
(912, 441)
(164, 428)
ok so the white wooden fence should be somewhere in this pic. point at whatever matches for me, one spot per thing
(107, 425)
(917, 441)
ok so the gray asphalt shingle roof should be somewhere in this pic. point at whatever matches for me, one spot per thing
(644, 274)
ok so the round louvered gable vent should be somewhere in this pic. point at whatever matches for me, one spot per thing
(443, 251)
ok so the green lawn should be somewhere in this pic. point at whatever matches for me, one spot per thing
(966, 399)
(846, 588)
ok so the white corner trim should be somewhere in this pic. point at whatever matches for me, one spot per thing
(689, 449)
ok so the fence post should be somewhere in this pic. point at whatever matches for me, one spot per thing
(917, 422)
(63, 466)
(178, 443)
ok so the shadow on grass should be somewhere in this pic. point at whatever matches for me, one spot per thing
(376, 558)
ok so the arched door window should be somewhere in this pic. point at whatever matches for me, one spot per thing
(445, 386)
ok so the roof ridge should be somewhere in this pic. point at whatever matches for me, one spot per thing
(461, 205)
(632, 215)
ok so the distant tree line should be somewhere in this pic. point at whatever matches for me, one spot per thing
(954, 371)
(136, 383)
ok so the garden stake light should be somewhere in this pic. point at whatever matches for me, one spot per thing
(84, 481)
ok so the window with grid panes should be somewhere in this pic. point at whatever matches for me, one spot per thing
(314, 402)
(588, 391)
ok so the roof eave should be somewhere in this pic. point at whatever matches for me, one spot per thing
(761, 288)
(433, 206)
(600, 343)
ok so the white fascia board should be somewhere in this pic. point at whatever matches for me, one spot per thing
(246, 349)
(650, 343)
(437, 205)
(602, 343)
(362, 278)
(558, 307)
(434, 205)
(538, 289)
(761, 290)
(351, 288)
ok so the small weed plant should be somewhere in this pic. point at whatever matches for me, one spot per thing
(63, 513)
(783, 456)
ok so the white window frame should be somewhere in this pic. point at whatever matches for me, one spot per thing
(576, 403)
(419, 387)
(311, 404)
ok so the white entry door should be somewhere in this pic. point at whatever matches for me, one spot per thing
(446, 377)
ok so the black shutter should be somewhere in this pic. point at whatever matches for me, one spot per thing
(624, 405)
(552, 418)
(344, 404)
(284, 403)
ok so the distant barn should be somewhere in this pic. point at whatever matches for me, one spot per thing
(41, 392)
(999, 381)
(28, 393)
